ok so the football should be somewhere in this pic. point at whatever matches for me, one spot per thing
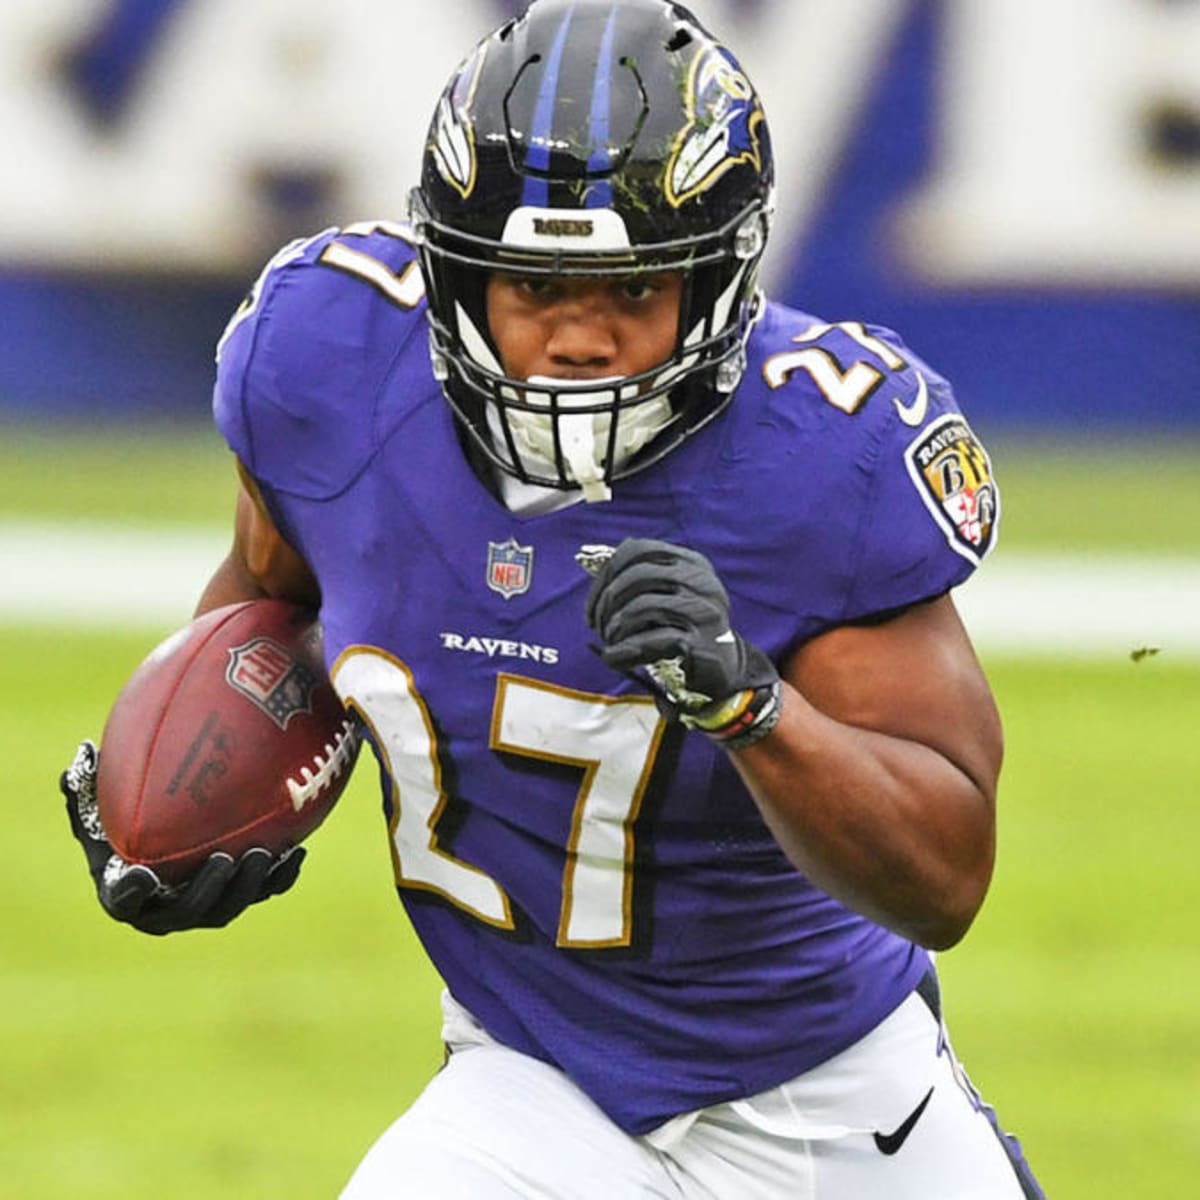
(229, 735)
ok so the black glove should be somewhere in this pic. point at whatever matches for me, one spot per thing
(221, 889)
(661, 609)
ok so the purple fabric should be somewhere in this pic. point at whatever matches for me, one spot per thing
(738, 973)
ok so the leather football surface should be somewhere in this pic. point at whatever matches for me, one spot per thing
(229, 735)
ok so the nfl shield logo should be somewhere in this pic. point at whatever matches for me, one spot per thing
(509, 568)
(271, 679)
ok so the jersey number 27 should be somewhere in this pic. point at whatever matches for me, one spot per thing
(612, 740)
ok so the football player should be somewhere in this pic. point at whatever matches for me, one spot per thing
(640, 585)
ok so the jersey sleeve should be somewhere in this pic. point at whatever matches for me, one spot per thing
(932, 508)
(303, 366)
(242, 395)
(842, 484)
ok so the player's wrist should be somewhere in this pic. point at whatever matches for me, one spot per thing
(739, 720)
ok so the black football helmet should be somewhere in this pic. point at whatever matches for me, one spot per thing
(598, 138)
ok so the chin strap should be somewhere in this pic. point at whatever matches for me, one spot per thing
(577, 436)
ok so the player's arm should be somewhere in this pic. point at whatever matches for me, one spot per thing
(879, 779)
(260, 562)
(874, 759)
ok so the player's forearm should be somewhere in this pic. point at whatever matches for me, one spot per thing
(888, 826)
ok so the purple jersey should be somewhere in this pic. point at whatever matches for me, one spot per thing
(595, 885)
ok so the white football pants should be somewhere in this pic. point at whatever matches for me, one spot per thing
(891, 1118)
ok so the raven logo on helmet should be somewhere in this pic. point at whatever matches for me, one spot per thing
(722, 130)
(453, 141)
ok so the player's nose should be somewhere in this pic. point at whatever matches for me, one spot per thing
(582, 333)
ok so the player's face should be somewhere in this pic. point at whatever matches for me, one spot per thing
(565, 328)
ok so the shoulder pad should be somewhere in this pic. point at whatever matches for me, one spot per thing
(303, 362)
(907, 499)
(845, 364)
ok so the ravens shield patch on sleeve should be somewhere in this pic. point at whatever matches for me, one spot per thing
(953, 474)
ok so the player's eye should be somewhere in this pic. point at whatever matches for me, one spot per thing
(541, 290)
(639, 290)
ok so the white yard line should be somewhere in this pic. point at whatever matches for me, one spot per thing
(104, 576)
(1091, 605)
(111, 577)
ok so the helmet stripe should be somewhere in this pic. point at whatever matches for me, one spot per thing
(600, 194)
(537, 190)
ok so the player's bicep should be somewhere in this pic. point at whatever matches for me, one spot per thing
(260, 562)
(914, 676)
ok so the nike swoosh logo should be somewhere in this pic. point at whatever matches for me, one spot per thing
(914, 414)
(890, 1143)
(725, 638)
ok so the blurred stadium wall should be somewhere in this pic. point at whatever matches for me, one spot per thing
(1013, 185)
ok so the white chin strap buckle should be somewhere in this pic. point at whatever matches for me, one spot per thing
(577, 434)
(578, 443)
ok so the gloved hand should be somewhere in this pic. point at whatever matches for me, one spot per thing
(660, 608)
(219, 891)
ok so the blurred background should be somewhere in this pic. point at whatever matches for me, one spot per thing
(1014, 187)
(1018, 198)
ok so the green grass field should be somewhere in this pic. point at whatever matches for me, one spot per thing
(262, 1059)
